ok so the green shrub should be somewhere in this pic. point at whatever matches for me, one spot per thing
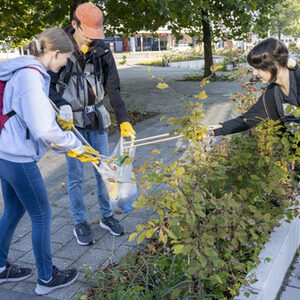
(216, 209)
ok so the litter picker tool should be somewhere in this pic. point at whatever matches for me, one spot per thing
(68, 151)
(160, 138)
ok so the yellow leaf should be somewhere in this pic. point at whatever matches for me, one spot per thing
(155, 151)
(135, 171)
(148, 186)
(179, 171)
(128, 161)
(203, 82)
(132, 236)
(164, 239)
(201, 95)
(178, 249)
(215, 67)
(149, 233)
(162, 85)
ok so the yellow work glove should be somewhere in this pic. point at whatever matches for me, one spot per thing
(65, 117)
(84, 154)
(127, 130)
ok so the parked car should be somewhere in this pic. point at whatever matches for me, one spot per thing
(181, 48)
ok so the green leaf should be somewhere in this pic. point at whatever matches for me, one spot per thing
(203, 261)
(175, 294)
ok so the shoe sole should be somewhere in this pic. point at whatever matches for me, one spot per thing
(43, 290)
(112, 232)
(7, 280)
(81, 243)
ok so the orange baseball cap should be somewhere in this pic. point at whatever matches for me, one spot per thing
(91, 20)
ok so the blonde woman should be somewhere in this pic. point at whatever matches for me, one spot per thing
(24, 138)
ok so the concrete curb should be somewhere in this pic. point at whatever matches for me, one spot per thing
(270, 274)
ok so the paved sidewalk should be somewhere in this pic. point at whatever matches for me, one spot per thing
(291, 287)
(140, 92)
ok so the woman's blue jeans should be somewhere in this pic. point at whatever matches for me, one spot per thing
(99, 141)
(23, 190)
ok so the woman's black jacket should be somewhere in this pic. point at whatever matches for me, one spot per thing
(265, 108)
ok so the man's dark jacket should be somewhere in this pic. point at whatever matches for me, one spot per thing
(103, 60)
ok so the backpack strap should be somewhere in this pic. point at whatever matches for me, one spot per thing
(12, 112)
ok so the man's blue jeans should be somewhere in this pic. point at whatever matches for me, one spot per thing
(99, 141)
(23, 190)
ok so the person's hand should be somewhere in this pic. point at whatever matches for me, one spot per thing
(65, 117)
(84, 154)
(211, 128)
(127, 130)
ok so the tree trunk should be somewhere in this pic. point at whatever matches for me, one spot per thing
(208, 56)
(73, 7)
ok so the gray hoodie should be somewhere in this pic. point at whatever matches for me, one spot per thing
(26, 92)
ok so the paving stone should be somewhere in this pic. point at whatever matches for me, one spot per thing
(58, 222)
(25, 287)
(98, 232)
(123, 250)
(294, 280)
(62, 203)
(66, 293)
(23, 228)
(14, 255)
(22, 244)
(111, 243)
(130, 223)
(63, 235)
(57, 211)
(71, 250)
(62, 263)
(12, 295)
(93, 257)
(8, 286)
(55, 247)
(290, 293)
(28, 257)
(143, 213)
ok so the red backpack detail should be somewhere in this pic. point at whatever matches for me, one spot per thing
(5, 117)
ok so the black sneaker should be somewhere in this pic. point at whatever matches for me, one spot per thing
(14, 273)
(83, 234)
(60, 279)
(113, 225)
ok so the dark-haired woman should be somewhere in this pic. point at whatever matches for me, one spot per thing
(271, 63)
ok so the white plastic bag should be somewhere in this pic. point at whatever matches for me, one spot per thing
(122, 190)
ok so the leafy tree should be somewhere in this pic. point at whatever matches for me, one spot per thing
(22, 19)
(285, 19)
(208, 19)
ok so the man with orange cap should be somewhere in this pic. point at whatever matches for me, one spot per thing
(78, 90)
